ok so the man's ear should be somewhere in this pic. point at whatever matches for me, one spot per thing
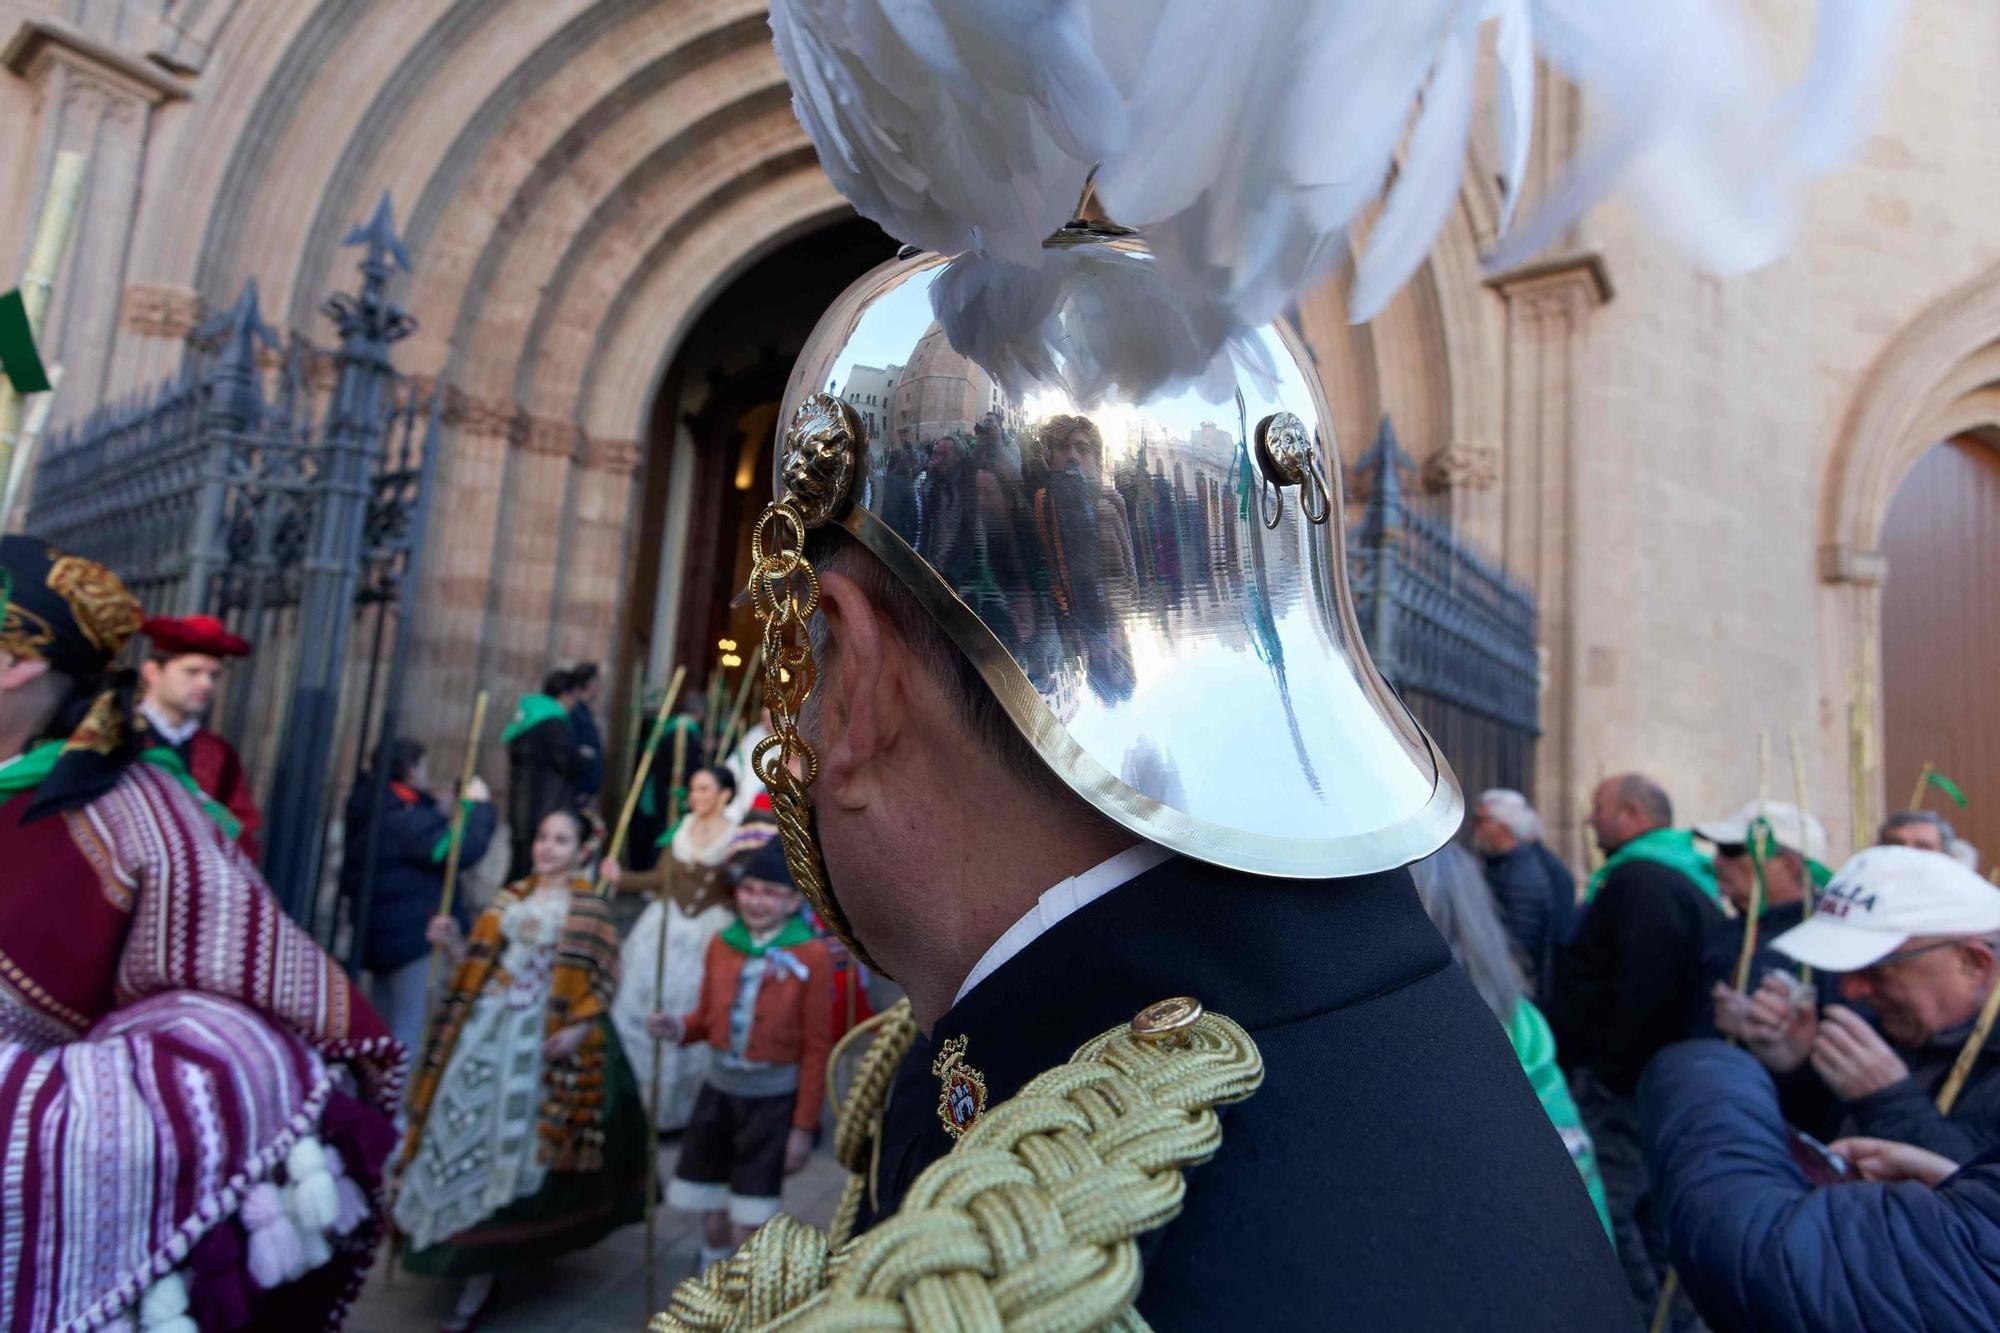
(862, 689)
(20, 671)
(149, 673)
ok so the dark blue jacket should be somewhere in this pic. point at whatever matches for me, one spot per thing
(590, 745)
(1757, 1247)
(1525, 896)
(1395, 1170)
(410, 854)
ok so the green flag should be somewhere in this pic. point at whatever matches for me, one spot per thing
(1948, 787)
(19, 360)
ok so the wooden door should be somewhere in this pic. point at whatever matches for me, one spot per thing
(1941, 636)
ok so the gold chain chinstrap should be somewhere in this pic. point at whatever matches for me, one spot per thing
(1031, 1220)
(784, 592)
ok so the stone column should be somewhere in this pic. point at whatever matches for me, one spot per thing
(596, 559)
(96, 98)
(1543, 468)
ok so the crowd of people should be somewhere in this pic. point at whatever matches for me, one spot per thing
(1796, 1122)
(1778, 1083)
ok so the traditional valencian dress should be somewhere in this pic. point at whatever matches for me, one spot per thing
(173, 1128)
(510, 1157)
(693, 910)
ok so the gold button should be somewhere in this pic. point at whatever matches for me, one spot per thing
(1167, 1020)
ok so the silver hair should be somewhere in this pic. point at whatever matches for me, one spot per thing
(1455, 896)
(1513, 813)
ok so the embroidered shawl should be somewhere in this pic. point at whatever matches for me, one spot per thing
(585, 980)
(164, 1038)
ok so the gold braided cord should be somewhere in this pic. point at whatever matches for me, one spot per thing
(784, 592)
(858, 1118)
(1031, 1221)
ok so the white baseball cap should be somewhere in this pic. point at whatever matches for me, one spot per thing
(1883, 897)
(1789, 829)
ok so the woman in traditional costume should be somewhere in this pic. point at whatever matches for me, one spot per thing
(526, 1135)
(194, 1102)
(691, 903)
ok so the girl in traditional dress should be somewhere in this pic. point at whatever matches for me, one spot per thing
(694, 906)
(526, 1136)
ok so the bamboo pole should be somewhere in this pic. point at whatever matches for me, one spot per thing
(734, 728)
(616, 847)
(1923, 785)
(52, 233)
(1759, 849)
(653, 1093)
(451, 859)
(1799, 795)
(1968, 1054)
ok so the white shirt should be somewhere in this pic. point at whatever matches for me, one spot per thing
(1074, 893)
(174, 734)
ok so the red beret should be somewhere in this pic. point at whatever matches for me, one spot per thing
(175, 635)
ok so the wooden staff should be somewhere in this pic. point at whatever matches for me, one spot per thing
(52, 233)
(452, 855)
(1759, 848)
(729, 733)
(1799, 795)
(653, 1093)
(1968, 1055)
(1923, 785)
(617, 845)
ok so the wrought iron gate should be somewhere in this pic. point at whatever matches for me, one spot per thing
(285, 492)
(1449, 630)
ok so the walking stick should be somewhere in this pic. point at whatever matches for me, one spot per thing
(1923, 783)
(617, 845)
(1760, 849)
(734, 727)
(1799, 795)
(452, 854)
(653, 1093)
(445, 896)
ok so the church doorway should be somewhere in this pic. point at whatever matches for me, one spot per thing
(1941, 632)
(708, 461)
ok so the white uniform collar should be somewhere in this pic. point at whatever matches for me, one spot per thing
(174, 734)
(1078, 891)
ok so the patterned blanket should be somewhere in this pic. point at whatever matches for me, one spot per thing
(165, 1033)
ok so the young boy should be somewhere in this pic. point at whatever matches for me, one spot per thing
(766, 1008)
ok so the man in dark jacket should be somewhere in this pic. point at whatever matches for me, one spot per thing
(1794, 853)
(1910, 1249)
(1914, 933)
(1393, 1171)
(543, 765)
(587, 684)
(1504, 830)
(1629, 984)
(411, 847)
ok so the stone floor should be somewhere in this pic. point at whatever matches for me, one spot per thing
(599, 1288)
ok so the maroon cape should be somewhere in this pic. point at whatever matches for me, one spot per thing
(167, 1043)
(218, 770)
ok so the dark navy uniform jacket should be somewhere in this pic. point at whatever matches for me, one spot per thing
(1394, 1171)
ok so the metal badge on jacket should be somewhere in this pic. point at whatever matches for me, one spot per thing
(962, 1094)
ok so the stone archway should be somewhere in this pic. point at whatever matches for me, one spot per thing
(1938, 380)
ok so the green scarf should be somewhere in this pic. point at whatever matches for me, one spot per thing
(737, 936)
(28, 771)
(1671, 847)
(532, 711)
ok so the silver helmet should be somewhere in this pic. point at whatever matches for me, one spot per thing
(1140, 550)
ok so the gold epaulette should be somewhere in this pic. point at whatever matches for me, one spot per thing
(1034, 1215)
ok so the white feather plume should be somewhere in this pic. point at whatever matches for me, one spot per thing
(1249, 141)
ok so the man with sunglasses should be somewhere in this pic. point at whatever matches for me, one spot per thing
(1790, 855)
(1913, 934)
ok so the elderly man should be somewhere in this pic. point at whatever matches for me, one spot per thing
(1922, 829)
(1914, 935)
(1537, 911)
(1629, 984)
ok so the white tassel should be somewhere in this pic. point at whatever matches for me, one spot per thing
(275, 1254)
(163, 1309)
(353, 1203)
(314, 1199)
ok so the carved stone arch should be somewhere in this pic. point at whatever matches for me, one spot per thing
(1939, 377)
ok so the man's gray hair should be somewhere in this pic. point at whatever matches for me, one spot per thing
(1905, 818)
(1510, 809)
